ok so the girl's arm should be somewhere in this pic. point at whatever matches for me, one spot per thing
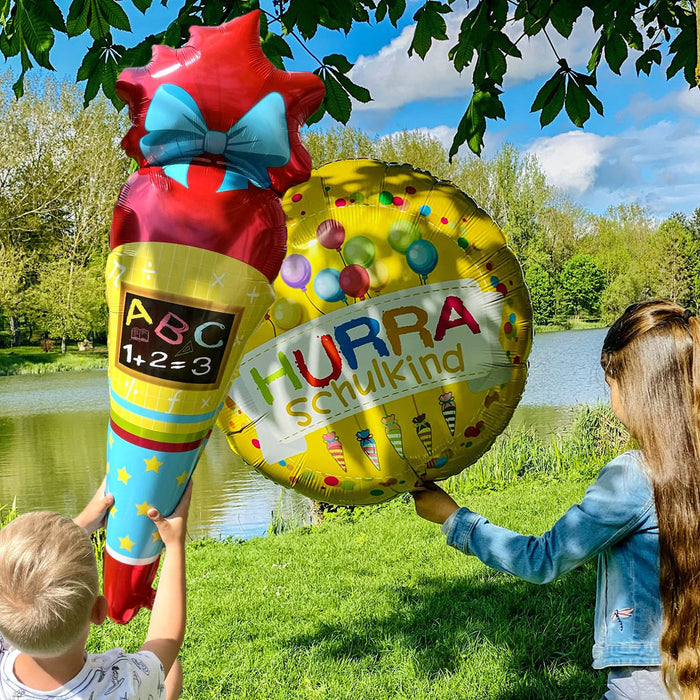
(611, 508)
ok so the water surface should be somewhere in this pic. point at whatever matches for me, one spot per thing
(53, 429)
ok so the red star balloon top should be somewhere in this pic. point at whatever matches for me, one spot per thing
(215, 131)
(226, 73)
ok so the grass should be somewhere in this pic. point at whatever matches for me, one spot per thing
(33, 360)
(372, 604)
(8, 513)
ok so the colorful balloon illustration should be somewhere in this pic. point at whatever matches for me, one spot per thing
(354, 281)
(422, 257)
(330, 234)
(198, 235)
(296, 271)
(359, 251)
(286, 314)
(327, 285)
(402, 234)
(368, 398)
(378, 275)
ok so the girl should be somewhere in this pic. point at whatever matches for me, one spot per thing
(641, 516)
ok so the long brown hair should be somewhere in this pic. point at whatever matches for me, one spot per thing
(652, 352)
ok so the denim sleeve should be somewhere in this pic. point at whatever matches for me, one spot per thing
(612, 507)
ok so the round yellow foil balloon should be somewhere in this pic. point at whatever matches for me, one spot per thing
(411, 352)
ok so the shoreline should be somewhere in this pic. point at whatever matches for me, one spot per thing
(33, 360)
(574, 325)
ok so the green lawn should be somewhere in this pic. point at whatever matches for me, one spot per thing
(375, 605)
(33, 360)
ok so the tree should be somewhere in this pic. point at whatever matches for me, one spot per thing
(618, 295)
(487, 42)
(542, 294)
(18, 272)
(673, 250)
(338, 144)
(582, 283)
(57, 192)
(68, 301)
(512, 188)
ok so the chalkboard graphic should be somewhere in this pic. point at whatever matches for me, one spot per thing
(158, 328)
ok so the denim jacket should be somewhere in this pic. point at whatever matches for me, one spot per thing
(615, 520)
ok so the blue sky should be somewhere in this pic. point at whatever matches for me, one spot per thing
(646, 149)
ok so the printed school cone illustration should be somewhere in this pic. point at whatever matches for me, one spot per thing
(198, 235)
(334, 446)
(449, 410)
(393, 432)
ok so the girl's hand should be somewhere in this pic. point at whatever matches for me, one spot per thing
(433, 503)
(172, 530)
(92, 517)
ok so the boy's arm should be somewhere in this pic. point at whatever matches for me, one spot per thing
(92, 517)
(166, 630)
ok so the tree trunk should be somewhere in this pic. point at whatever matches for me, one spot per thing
(63, 344)
(14, 329)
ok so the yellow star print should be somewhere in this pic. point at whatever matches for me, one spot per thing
(126, 543)
(123, 475)
(113, 510)
(155, 535)
(111, 439)
(152, 464)
(142, 508)
(182, 479)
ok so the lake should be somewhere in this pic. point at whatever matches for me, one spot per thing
(53, 433)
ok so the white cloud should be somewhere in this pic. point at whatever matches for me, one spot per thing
(657, 166)
(641, 106)
(394, 79)
(689, 102)
(571, 160)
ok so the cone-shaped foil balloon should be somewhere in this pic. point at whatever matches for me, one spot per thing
(197, 237)
(411, 351)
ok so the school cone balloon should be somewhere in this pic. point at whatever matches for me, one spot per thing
(198, 235)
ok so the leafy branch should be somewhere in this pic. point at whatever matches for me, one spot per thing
(645, 31)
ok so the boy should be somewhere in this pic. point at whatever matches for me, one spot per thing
(49, 596)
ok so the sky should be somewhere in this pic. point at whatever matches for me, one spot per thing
(644, 150)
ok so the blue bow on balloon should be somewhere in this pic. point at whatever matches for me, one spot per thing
(177, 133)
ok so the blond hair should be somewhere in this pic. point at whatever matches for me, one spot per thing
(653, 353)
(48, 583)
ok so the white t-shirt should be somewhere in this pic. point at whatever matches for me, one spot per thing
(114, 675)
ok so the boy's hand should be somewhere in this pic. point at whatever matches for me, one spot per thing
(433, 503)
(173, 529)
(92, 517)
(166, 630)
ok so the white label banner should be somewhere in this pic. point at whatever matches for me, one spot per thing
(369, 353)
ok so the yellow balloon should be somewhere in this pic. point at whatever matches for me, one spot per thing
(404, 373)
(286, 314)
(378, 275)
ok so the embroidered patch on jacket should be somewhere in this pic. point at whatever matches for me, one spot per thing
(621, 614)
